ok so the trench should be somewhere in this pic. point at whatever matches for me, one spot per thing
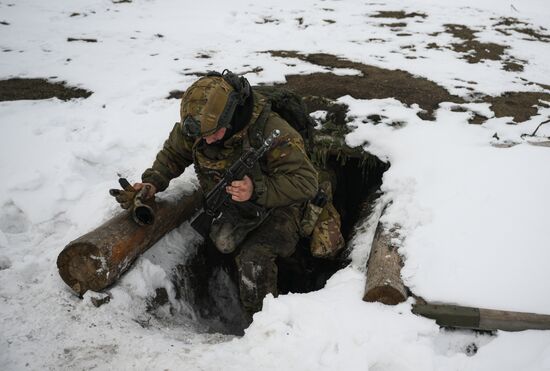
(208, 281)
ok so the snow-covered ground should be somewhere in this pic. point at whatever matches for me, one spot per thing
(474, 217)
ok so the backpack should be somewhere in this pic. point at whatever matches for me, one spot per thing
(291, 107)
(321, 222)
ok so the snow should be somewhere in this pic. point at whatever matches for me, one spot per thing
(463, 205)
(473, 216)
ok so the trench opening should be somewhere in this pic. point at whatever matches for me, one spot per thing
(208, 282)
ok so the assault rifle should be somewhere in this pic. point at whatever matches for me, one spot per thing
(217, 198)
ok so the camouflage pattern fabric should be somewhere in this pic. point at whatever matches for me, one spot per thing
(285, 175)
(276, 236)
(205, 101)
(311, 215)
(283, 180)
(323, 224)
(326, 238)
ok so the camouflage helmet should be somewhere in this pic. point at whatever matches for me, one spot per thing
(210, 102)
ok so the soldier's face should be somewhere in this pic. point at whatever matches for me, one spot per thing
(217, 135)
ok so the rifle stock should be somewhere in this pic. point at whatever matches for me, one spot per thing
(201, 223)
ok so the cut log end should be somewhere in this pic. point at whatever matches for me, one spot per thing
(97, 259)
(79, 267)
(384, 283)
(385, 294)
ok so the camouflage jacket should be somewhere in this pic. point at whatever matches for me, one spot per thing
(283, 177)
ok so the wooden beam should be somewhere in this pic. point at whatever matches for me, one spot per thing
(98, 258)
(482, 319)
(384, 283)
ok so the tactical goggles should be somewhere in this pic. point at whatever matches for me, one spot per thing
(191, 127)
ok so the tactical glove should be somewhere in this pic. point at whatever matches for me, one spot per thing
(124, 197)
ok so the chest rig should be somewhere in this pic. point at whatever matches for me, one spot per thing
(211, 161)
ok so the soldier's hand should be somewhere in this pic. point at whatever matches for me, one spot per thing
(241, 190)
(124, 196)
(150, 189)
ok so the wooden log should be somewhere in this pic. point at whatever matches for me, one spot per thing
(384, 283)
(482, 319)
(97, 259)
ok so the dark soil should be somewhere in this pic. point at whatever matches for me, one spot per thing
(175, 94)
(320, 90)
(72, 39)
(266, 20)
(34, 89)
(508, 21)
(533, 34)
(379, 83)
(474, 50)
(398, 14)
(375, 83)
(394, 25)
(460, 31)
(504, 25)
(336, 113)
(519, 105)
(513, 65)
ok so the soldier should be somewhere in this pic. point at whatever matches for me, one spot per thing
(221, 116)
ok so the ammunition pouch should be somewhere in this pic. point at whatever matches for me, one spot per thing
(321, 223)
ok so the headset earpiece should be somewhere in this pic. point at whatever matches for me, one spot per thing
(240, 84)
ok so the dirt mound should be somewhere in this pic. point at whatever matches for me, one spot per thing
(320, 90)
(379, 83)
(373, 83)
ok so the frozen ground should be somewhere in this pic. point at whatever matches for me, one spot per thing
(474, 216)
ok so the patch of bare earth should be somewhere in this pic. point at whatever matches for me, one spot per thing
(474, 51)
(469, 47)
(34, 89)
(373, 83)
(320, 90)
(509, 25)
(398, 14)
(519, 105)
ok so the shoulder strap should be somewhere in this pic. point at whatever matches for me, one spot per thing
(256, 129)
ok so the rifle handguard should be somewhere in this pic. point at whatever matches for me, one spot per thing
(217, 196)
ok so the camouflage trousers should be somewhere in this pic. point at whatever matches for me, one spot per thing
(255, 258)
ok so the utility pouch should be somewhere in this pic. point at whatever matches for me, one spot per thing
(312, 211)
(321, 223)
